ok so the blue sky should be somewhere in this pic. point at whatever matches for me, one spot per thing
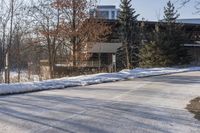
(153, 9)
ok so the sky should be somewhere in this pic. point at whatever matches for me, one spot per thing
(152, 10)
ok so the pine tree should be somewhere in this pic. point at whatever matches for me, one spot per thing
(165, 47)
(170, 14)
(151, 52)
(175, 37)
(127, 19)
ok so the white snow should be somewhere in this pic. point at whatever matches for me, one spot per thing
(88, 79)
(24, 77)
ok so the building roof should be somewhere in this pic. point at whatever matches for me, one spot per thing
(189, 21)
(105, 48)
(192, 45)
(106, 7)
(195, 44)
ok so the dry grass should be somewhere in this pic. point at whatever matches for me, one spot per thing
(194, 107)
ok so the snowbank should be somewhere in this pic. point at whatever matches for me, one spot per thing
(24, 77)
(88, 80)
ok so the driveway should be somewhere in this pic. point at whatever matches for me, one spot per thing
(145, 105)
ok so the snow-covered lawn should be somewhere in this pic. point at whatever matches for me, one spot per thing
(88, 79)
(24, 77)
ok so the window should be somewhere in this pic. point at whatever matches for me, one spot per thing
(113, 14)
(104, 14)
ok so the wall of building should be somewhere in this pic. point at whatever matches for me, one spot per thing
(195, 55)
(105, 12)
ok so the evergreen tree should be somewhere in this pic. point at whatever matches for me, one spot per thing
(151, 55)
(128, 29)
(175, 37)
(170, 13)
(165, 48)
(151, 52)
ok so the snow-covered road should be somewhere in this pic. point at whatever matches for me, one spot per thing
(144, 105)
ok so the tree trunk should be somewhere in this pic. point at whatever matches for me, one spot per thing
(74, 52)
(3, 47)
(7, 72)
(99, 58)
(74, 37)
(127, 57)
(51, 63)
(19, 58)
(6, 69)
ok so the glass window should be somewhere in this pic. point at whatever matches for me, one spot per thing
(104, 14)
(113, 14)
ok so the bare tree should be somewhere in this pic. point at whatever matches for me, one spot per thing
(11, 19)
(78, 27)
(20, 31)
(46, 20)
(185, 2)
(66, 23)
(4, 20)
(7, 30)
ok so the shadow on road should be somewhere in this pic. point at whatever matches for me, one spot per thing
(75, 114)
(175, 79)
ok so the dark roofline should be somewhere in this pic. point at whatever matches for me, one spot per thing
(189, 19)
(153, 22)
(106, 7)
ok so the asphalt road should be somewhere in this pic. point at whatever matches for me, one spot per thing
(146, 105)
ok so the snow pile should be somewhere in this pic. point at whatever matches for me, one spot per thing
(24, 77)
(88, 79)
